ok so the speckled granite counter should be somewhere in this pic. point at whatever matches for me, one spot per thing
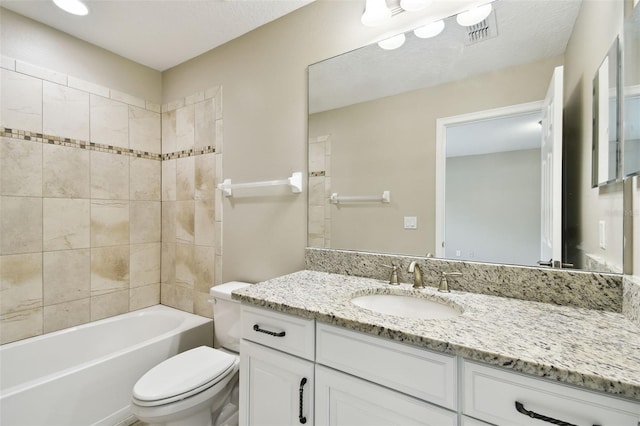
(593, 349)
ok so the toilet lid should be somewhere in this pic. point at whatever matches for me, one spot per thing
(182, 373)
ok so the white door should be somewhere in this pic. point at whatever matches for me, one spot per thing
(344, 400)
(276, 389)
(551, 163)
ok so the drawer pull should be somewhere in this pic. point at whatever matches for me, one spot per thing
(257, 328)
(537, 416)
(302, 418)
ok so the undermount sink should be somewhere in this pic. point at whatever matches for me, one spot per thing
(406, 306)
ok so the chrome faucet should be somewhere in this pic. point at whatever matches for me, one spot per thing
(444, 285)
(417, 274)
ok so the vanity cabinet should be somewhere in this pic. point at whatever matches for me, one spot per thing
(491, 394)
(277, 368)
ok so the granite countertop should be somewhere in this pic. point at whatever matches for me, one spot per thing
(593, 349)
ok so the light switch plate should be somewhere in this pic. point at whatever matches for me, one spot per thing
(410, 222)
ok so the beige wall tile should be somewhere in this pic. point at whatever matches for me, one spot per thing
(145, 179)
(201, 304)
(66, 223)
(41, 73)
(65, 111)
(20, 325)
(88, 86)
(185, 218)
(142, 297)
(169, 139)
(185, 178)
(218, 272)
(66, 275)
(204, 223)
(168, 222)
(169, 180)
(20, 282)
(109, 176)
(185, 128)
(184, 265)
(109, 305)
(144, 130)
(20, 168)
(145, 222)
(65, 315)
(168, 263)
(109, 269)
(177, 297)
(204, 268)
(205, 177)
(144, 264)
(21, 102)
(109, 121)
(205, 124)
(20, 225)
(109, 223)
(66, 172)
(218, 242)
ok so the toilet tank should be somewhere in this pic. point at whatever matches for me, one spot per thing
(226, 315)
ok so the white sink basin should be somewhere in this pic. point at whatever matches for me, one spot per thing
(405, 306)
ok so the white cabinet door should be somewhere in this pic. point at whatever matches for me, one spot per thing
(276, 389)
(344, 400)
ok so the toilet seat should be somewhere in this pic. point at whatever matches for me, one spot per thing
(183, 375)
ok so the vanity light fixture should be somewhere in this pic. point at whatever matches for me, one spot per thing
(414, 5)
(392, 42)
(75, 7)
(474, 16)
(376, 13)
(430, 30)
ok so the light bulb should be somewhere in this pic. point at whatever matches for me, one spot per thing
(392, 42)
(375, 13)
(473, 16)
(429, 30)
(414, 5)
(75, 7)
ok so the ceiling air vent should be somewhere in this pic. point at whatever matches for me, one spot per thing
(483, 30)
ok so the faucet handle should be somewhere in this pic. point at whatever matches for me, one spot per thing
(444, 284)
(393, 278)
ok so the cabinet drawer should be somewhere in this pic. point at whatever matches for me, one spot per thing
(490, 394)
(426, 375)
(284, 332)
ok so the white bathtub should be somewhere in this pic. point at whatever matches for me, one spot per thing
(84, 375)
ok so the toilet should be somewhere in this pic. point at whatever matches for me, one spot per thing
(198, 387)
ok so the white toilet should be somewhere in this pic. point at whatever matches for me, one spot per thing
(198, 387)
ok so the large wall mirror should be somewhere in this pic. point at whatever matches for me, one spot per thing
(631, 93)
(444, 146)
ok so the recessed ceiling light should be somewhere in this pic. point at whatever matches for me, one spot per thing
(75, 7)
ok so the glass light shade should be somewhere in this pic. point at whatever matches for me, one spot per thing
(75, 7)
(375, 13)
(414, 5)
(473, 16)
(429, 30)
(392, 42)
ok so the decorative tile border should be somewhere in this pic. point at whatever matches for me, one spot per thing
(188, 153)
(317, 174)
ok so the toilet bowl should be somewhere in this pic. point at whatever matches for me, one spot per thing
(198, 387)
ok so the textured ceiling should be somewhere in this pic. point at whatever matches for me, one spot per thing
(158, 33)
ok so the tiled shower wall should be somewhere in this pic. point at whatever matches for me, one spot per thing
(319, 226)
(81, 201)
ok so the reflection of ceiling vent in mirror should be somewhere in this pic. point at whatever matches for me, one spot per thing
(483, 30)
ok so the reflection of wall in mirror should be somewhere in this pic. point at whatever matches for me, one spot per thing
(390, 144)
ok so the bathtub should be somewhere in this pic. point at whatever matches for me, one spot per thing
(84, 375)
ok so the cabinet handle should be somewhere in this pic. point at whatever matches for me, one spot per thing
(302, 418)
(257, 328)
(533, 415)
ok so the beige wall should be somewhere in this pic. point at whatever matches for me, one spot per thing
(596, 27)
(264, 78)
(43, 46)
(364, 135)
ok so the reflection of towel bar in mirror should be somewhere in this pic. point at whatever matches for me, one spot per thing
(294, 181)
(384, 198)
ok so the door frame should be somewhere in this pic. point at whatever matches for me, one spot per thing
(441, 159)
